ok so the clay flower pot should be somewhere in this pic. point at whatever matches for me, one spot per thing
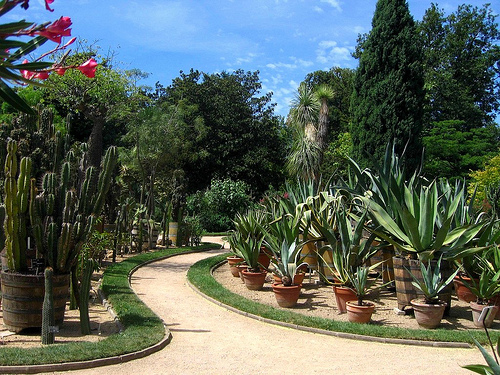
(359, 313)
(286, 296)
(264, 259)
(233, 261)
(254, 280)
(463, 293)
(297, 279)
(428, 315)
(342, 295)
(477, 309)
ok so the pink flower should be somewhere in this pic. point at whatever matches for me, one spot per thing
(41, 75)
(57, 30)
(61, 71)
(47, 5)
(26, 73)
(88, 68)
(286, 195)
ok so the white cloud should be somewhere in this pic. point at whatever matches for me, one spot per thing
(333, 3)
(329, 53)
(317, 9)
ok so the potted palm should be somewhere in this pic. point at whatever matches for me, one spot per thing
(430, 310)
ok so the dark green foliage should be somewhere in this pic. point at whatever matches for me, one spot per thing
(219, 204)
(388, 96)
(461, 55)
(244, 137)
(453, 149)
(48, 316)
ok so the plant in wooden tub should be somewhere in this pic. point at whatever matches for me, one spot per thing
(58, 218)
(430, 310)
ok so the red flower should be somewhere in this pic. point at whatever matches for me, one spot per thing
(57, 30)
(88, 68)
(286, 195)
(47, 5)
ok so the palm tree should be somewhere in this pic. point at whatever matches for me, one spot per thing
(309, 119)
(324, 93)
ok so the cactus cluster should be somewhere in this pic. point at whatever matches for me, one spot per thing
(59, 215)
(16, 190)
(63, 212)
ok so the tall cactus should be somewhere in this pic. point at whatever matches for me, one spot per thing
(16, 207)
(48, 315)
(66, 209)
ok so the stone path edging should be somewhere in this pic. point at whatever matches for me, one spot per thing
(352, 336)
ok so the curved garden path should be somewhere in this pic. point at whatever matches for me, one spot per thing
(208, 339)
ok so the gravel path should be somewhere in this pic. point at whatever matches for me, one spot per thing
(208, 339)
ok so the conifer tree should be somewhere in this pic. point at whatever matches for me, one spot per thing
(388, 97)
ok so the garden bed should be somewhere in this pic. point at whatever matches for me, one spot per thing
(318, 300)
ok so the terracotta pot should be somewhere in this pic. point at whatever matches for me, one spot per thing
(428, 315)
(254, 280)
(233, 261)
(241, 267)
(297, 279)
(342, 295)
(359, 314)
(264, 259)
(286, 296)
(463, 293)
(477, 309)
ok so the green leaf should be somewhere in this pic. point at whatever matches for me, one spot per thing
(30, 46)
(10, 28)
(7, 94)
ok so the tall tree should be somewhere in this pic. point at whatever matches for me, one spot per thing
(462, 65)
(388, 96)
(243, 141)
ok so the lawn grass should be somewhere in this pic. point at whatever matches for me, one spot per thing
(200, 276)
(142, 328)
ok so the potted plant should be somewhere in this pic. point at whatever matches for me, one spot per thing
(350, 250)
(486, 288)
(249, 248)
(282, 239)
(359, 310)
(59, 218)
(430, 310)
(423, 229)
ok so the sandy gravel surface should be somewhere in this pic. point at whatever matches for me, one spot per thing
(208, 339)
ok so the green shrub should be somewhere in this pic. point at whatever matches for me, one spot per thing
(218, 205)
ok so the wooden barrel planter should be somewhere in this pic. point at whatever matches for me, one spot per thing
(309, 255)
(405, 291)
(22, 299)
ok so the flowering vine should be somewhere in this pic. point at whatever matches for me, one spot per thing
(13, 50)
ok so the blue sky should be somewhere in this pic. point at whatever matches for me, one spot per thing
(283, 39)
